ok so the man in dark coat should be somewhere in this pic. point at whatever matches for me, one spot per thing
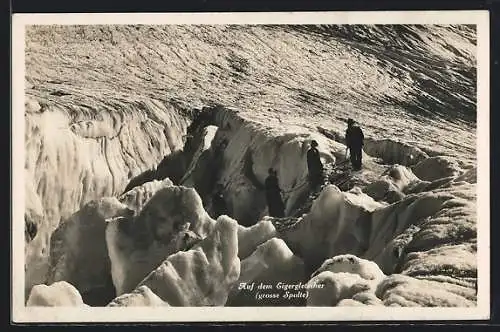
(273, 195)
(219, 206)
(354, 140)
(314, 165)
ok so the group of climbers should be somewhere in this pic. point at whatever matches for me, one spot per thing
(354, 139)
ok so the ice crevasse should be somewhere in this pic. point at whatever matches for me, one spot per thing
(128, 129)
(364, 250)
(76, 155)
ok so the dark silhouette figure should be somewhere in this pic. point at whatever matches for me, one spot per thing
(219, 206)
(30, 230)
(354, 140)
(314, 165)
(273, 195)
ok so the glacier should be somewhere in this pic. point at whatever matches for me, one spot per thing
(129, 128)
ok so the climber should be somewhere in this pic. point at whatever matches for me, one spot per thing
(354, 140)
(219, 206)
(314, 165)
(273, 195)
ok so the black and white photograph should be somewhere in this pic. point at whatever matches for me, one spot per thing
(320, 166)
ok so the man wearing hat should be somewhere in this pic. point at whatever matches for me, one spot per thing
(314, 165)
(354, 140)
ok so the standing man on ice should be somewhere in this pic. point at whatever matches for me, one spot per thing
(314, 166)
(354, 140)
(275, 203)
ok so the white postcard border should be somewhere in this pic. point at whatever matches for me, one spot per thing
(20, 313)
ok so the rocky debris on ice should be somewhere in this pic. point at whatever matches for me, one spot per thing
(139, 297)
(172, 220)
(272, 264)
(249, 238)
(418, 187)
(438, 167)
(78, 249)
(203, 275)
(466, 178)
(58, 294)
(284, 224)
(405, 291)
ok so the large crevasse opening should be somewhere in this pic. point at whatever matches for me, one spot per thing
(383, 215)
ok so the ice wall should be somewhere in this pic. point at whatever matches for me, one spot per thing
(76, 153)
